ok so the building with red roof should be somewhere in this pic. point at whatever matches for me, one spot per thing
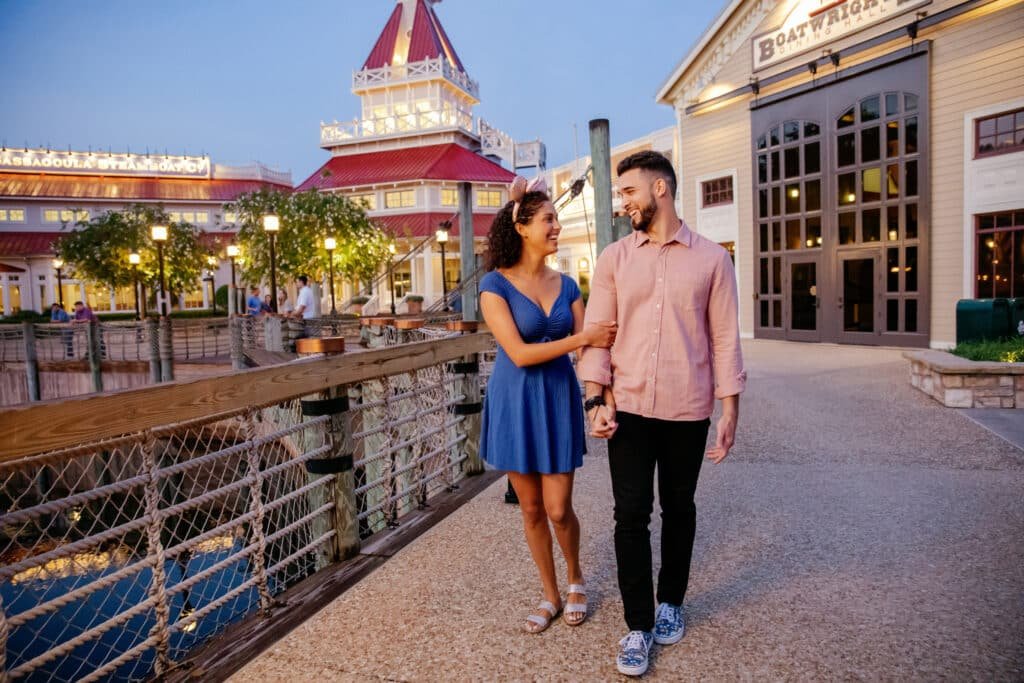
(42, 191)
(414, 143)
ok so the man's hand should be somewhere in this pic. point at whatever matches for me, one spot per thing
(602, 422)
(725, 432)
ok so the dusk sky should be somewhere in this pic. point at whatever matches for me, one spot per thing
(247, 81)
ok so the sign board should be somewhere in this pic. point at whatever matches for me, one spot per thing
(98, 163)
(816, 23)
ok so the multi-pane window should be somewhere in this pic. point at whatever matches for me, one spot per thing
(999, 134)
(175, 216)
(999, 270)
(877, 188)
(188, 216)
(51, 215)
(12, 215)
(230, 217)
(488, 198)
(716, 192)
(399, 199)
(788, 208)
(449, 197)
(202, 217)
(369, 201)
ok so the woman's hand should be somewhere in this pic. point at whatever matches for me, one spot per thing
(600, 334)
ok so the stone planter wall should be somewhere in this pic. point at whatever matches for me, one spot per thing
(960, 383)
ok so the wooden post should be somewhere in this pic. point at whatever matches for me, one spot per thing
(166, 350)
(237, 347)
(31, 361)
(373, 331)
(466, 252)
(153, 335)
(600, 159)
(95, 354)
(467, 384)
(273, 338)
(337, 462)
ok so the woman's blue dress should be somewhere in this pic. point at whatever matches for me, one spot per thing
(533, 416)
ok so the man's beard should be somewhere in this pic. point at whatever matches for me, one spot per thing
(646, 216)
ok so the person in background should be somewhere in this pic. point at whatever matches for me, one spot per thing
(59, 315)
(284, 306)
(254, 305)
(83, 314)
(266, 306)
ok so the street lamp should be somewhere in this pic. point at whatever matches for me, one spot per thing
(159, 235)
(58, 263)
(272, 224)
(233, 252)
(391, 274)
(442, 239)
(330, 244)
(212, 262)
(134, 259)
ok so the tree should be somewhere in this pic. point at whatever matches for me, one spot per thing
(306, 218)
(98, 249)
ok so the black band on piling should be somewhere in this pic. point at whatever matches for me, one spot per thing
(330, 465)
(464, 368)
(466, 408)
(326, 406)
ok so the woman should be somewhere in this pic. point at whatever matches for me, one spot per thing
(533, 415)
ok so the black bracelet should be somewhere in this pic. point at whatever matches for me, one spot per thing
(593, 402)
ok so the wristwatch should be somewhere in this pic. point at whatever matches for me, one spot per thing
(593, 402)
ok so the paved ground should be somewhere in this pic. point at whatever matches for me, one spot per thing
(858, 531)
(1007, 423)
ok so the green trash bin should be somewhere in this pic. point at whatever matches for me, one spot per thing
(981, 319)
(1016, 317)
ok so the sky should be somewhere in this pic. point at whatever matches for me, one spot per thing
(245, 81)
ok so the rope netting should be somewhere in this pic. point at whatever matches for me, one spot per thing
(119, 557)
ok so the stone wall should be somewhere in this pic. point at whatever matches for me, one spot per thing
(960, 383)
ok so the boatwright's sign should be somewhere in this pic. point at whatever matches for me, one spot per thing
(813, 23)
(97, 163)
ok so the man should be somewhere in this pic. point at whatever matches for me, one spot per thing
(59, 315)
(254, 305)
(304, 302)
(84, 314)
(673, 295)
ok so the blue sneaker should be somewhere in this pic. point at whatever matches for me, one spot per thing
(633, 653)
(669, 625)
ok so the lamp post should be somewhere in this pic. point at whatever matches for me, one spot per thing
(134, 259)
(159, 235)
(391, 275)
(212, 262)
(272, 224)
(233, 252)
(991, 244)
(330, 244)
(58, 263)
(442, 239)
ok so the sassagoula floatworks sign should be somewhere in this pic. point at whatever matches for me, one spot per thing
(816, 23)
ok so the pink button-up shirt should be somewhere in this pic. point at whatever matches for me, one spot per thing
(678, 345)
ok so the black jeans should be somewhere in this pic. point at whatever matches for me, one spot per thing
(677, 448)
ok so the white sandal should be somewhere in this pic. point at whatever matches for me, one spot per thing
(542, 622)
(577, 609)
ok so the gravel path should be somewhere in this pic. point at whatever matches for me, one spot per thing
(858, 531)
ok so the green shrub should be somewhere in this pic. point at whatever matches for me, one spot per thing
(416, 298)
(1011, 351)
(360, 299)
(221, 297)
(26, 316)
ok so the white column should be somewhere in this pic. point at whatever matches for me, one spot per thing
(427, 286)
(5, 285)
(113, 300)
(206, 293)
(81, 295)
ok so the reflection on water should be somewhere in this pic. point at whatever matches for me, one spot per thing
(59, 577)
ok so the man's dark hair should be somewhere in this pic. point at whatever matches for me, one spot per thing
(303, 279)
(650, 161)
(79, 303)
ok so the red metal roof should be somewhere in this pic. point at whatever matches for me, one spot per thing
(453, 56)
(432, 162)
(427, 40)
(423, 224)
(384, 49)
(45, 185)
(27, 243)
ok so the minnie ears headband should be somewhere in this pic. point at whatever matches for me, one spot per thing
(518, 189)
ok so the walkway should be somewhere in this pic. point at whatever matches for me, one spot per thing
(858, 531)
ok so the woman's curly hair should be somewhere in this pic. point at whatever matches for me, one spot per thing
(504, 244)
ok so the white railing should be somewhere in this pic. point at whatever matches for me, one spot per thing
(427, 69)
